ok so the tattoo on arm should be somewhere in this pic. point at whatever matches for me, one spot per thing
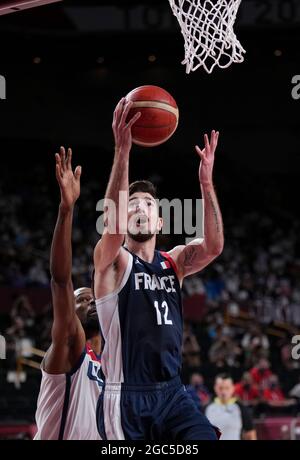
(190, 255)
(61, 219)
(195, 255)
(215, 212)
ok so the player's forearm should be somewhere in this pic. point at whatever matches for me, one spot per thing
(117, 192)
(213, 224)
(61, 248)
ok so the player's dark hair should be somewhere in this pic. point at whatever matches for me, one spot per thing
(143, 186)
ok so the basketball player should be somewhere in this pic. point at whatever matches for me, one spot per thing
(70, 385)
(138, 299)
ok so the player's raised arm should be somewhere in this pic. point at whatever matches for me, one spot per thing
(116, 203)
(196, 255)
(67, 332)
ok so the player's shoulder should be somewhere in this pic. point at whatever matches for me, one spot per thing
(118, 264)
(111, 278)
(173, 257)
(174, 252)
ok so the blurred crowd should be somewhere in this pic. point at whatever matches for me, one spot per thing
(26, 227)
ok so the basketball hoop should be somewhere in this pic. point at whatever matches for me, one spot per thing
(207, 28)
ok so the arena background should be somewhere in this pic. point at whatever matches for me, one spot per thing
(66, 65)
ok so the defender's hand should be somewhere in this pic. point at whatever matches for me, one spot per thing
(69, 182)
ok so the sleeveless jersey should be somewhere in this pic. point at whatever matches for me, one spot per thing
(66, 407)
(141, 323)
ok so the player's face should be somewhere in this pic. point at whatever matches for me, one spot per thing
(83, 298)
(86, 311)
(224, 389)
(143, 218)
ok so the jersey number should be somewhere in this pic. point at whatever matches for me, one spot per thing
(162, 319)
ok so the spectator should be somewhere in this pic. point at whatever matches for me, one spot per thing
(261, 373)
(273, 395)
(225, 352)
(228, 414)
(22, 309)
(255, 344)
(198, 390)
(191, 347)
(246, 390)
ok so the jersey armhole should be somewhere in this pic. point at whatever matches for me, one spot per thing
(79, 362)
(70, 372)
(172, 262)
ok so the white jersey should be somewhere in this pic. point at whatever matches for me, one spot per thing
(66, 407)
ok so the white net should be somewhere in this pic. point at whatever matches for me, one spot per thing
(207, 28)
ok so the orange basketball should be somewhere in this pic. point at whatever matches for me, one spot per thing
(159, 115)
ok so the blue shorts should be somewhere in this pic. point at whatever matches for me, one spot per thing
(158, 412)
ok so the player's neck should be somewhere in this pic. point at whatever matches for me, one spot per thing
(144, 251)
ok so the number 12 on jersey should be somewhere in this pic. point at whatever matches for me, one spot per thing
(162, 319)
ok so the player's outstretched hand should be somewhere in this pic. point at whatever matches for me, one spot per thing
(69, 182)
(207, 156)
(121, 128)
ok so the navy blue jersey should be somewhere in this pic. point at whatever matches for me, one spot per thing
(141, 323)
